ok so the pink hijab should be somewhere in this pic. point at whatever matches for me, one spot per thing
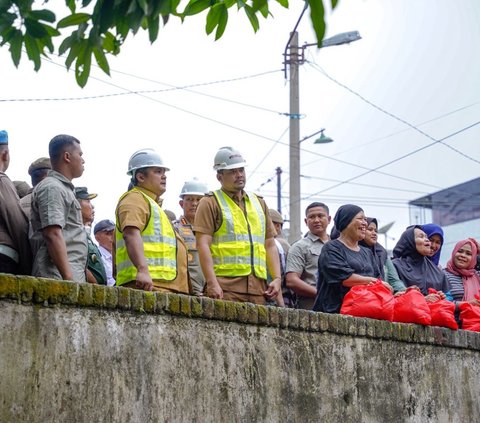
(470, 278)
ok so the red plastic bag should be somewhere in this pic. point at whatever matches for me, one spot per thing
(412, 307)
(373, 301)
(470, 316)
(442, 312)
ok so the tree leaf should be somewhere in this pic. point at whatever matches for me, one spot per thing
(283, 3)
(213, 17)
(66, 44)
(222, 23)
(334, 4)
(16, 47)
(317, 15)
(153, 27)
(196, 6)
(7, 35)
(83, 66)
(258, 4)
(144, 6)
(51, 31)
(105, 14)
(35, 29)
(101, 59)
(33, 52)
(135, 20)
(264, 11)
(75, 49)
(74, 19)
(71, 5)
(43, 15)
(109, 42)
(252, 17)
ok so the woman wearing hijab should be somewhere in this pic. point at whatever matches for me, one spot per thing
(388, 273)
(435, 235)
(461, 274)
(411, 259)
(343, 263)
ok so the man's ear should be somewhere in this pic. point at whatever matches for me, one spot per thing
(4, 153)
(219, 177)
(66, 156)
(181, 203)
(140, 177)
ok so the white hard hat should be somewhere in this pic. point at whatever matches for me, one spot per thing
(144, 158)
(228, 158)
(194, 187)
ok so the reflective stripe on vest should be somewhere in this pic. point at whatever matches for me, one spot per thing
(238, 246)
(159, 246)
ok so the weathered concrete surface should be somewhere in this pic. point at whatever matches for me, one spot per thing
(65, 363)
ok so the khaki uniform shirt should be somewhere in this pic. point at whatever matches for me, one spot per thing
(196, 275)
(14, 225)
(303, 258)
(133, 210)
(208, 219)
(54, 204)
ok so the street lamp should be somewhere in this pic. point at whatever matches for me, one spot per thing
(322, 139)
(294, 56)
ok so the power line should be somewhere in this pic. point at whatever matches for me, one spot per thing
(397, 159)
(365, 185)
(175, 107)
(319, 69)
(172, 88)
(269, 151)
(401, 131)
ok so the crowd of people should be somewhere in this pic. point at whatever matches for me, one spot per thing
(226, 245)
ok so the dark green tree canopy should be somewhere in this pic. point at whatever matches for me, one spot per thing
(99, 27)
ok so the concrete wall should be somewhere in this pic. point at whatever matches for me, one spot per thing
(83, 353)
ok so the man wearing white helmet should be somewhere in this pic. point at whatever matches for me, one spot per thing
(235, 237)
(191, 194)
(150, 255)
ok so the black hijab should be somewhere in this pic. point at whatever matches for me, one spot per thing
(379, 253)
(345, 215)
(415, 269)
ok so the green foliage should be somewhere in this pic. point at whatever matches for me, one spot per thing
(24, 26)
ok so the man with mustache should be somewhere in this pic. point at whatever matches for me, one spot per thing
(191, 194)
(235, 237)
(149, 254)
(302, 259)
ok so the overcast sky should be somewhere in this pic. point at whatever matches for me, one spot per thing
(418, 61)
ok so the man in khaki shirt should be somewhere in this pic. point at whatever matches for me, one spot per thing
(58, 235)
(208, 219)
(133, 214)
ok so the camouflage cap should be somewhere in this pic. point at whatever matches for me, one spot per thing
(41, 163)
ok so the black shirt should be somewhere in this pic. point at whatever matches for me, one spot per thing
(337, 263)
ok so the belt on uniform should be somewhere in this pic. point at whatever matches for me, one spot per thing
(9, 252)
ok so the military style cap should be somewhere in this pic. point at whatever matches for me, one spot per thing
(22, 188)
(104, 225)
(3, 137)
(41, 163)
(275, 216)
(82, 194)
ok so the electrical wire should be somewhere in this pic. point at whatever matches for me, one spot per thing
(397, 159)
(170, 89)
(321, 71)
(398, 132)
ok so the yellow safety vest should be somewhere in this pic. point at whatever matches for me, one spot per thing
(159, 246)
(238, 246)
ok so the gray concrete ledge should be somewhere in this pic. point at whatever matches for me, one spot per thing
(51, 293)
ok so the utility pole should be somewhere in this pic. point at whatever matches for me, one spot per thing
(293, 61)
(294, 56)
(279, 189)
